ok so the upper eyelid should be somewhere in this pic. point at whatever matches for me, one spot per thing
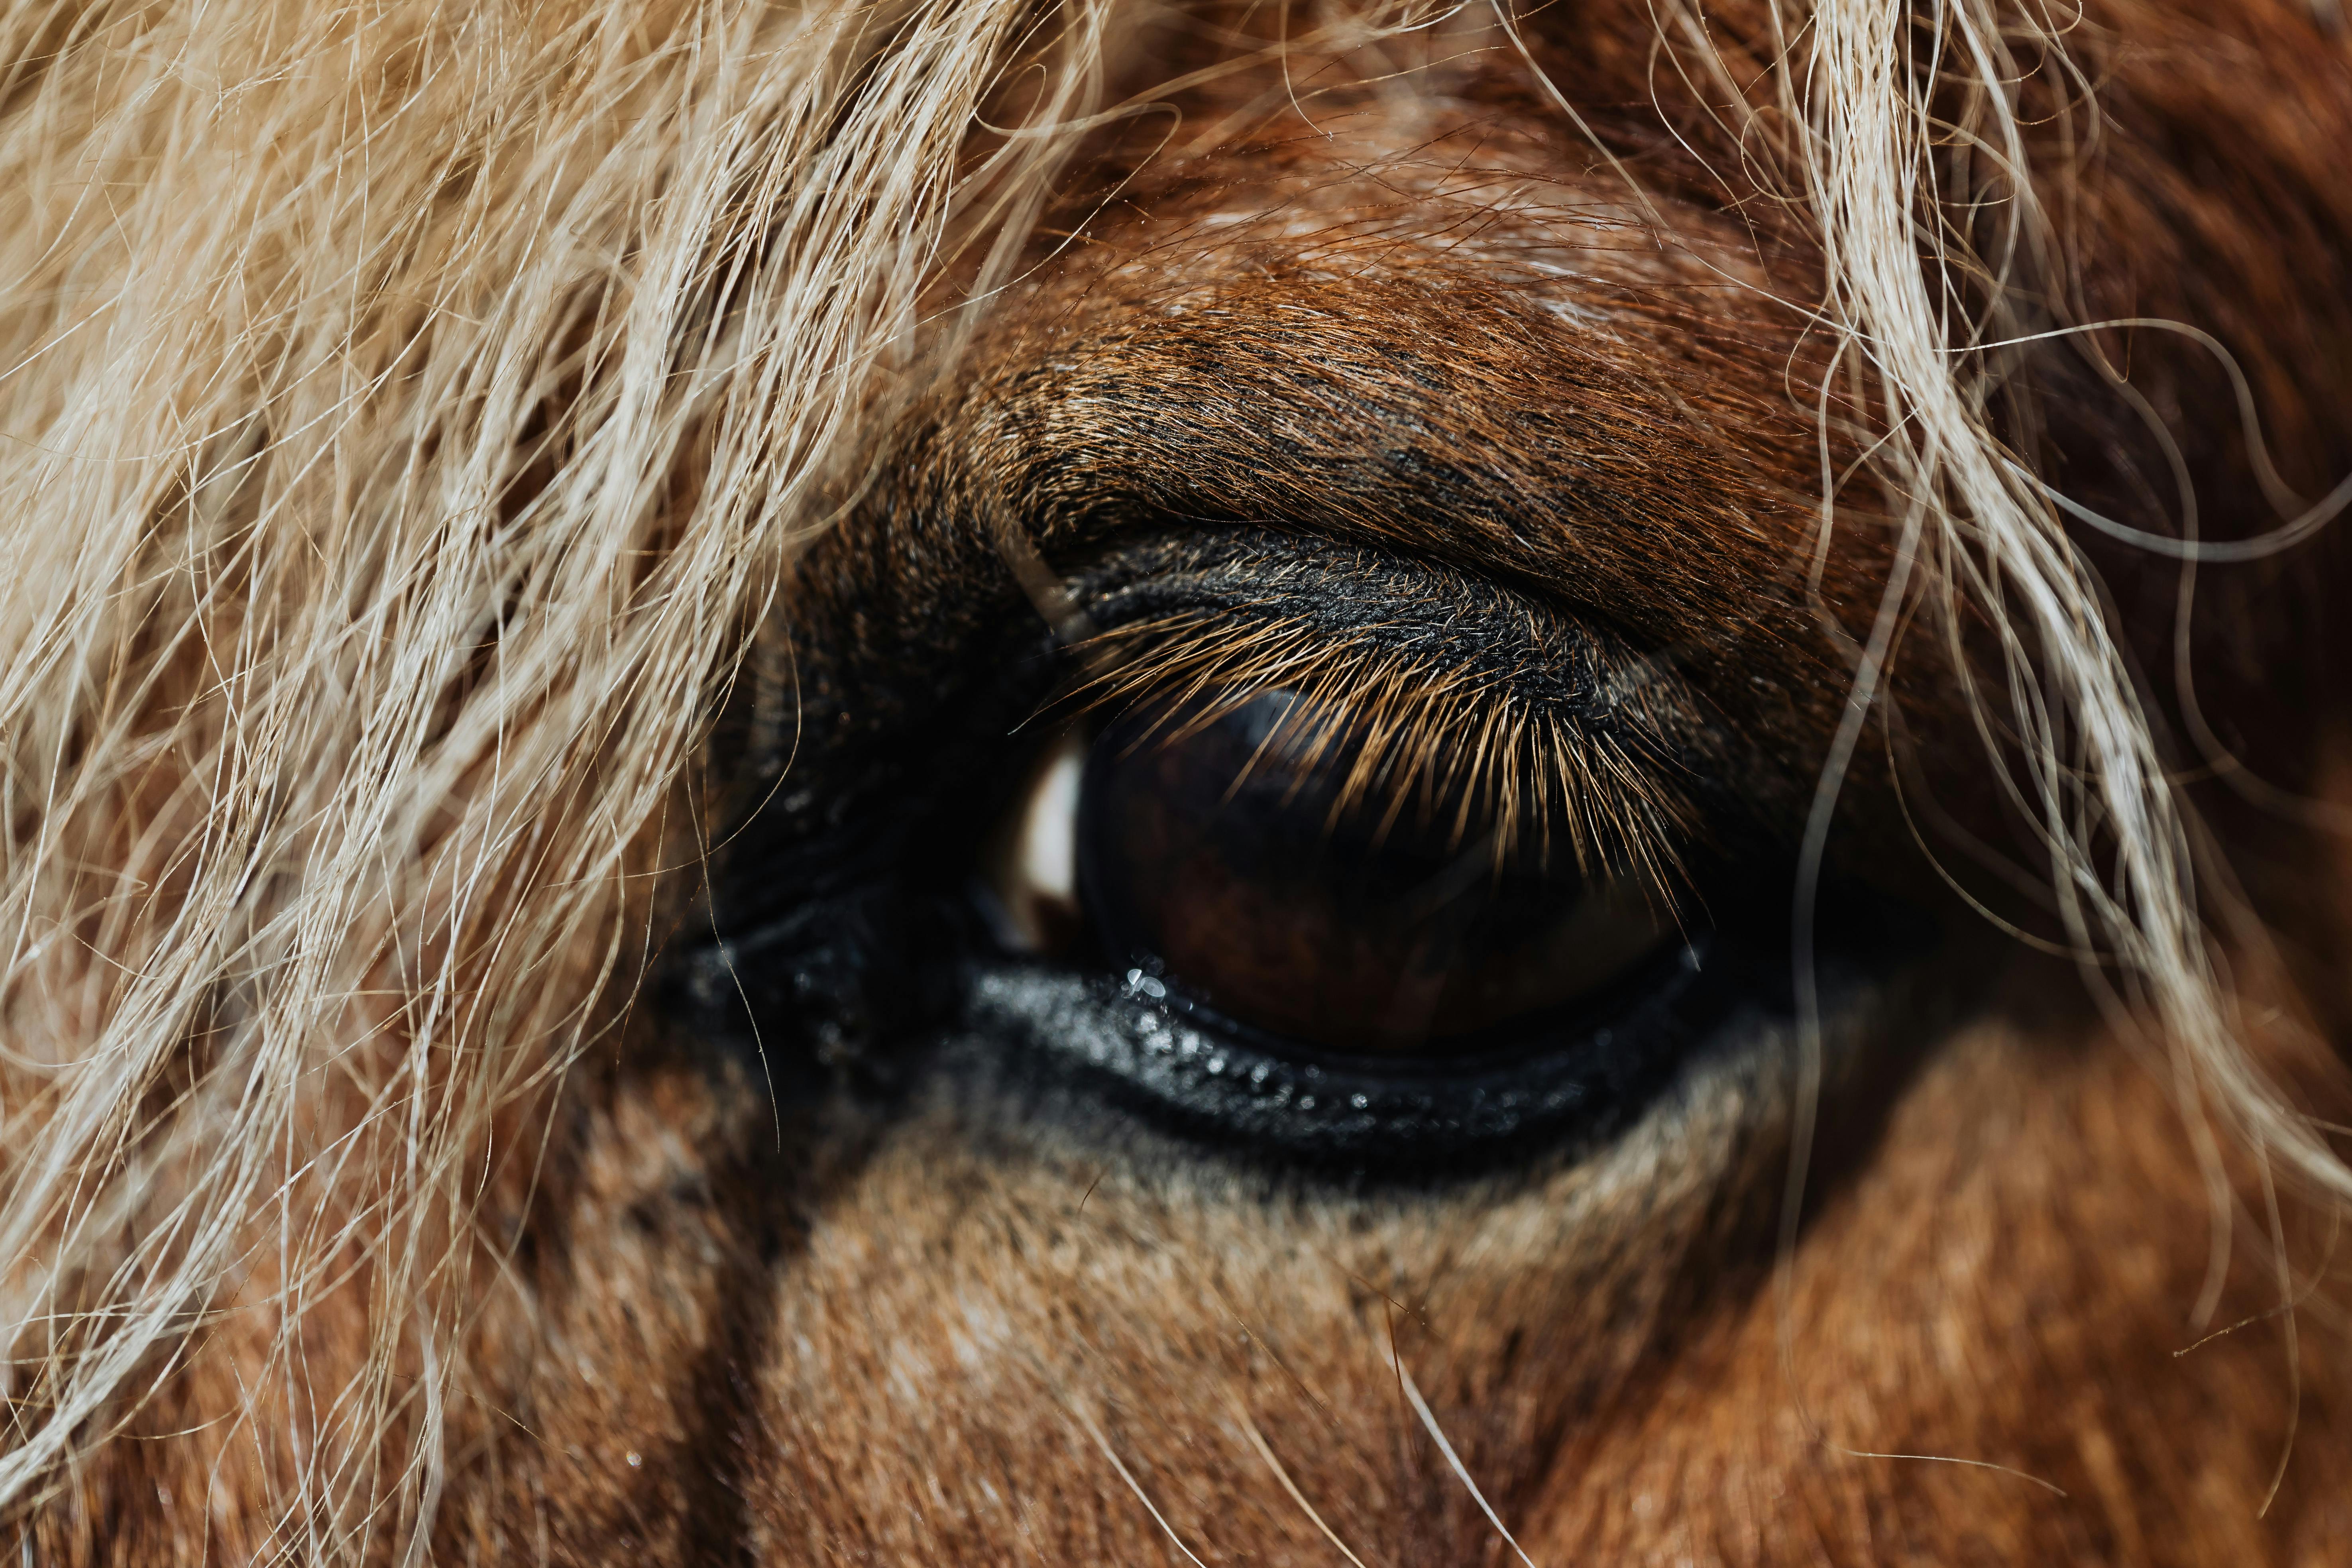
(1389, 599)
(1482, 702)
(1419, 736)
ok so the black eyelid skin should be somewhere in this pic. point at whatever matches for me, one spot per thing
(1183, 1066)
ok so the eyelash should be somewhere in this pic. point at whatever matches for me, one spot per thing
(1435, 737)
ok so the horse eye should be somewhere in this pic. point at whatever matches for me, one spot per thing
(1262, 864)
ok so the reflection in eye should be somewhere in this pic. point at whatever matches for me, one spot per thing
(1034, 873)
(1233, 855)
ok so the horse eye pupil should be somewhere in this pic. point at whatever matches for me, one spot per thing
(1245, 856)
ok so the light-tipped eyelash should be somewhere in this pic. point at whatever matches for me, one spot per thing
(1424, 741)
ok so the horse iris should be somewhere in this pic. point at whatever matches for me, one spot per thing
(1252, 858)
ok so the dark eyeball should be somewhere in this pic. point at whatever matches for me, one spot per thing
(1260, 859)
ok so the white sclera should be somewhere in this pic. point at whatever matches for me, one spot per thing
(1047, 849)
(1037, 878)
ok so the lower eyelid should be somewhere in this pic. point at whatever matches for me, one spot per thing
(1145, 1051)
